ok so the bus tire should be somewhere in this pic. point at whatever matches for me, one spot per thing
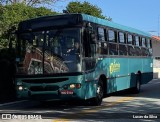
(96, 101)
(137, 88)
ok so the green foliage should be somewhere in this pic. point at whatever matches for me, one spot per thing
(28, 2)
(13, 14)
(86, 8)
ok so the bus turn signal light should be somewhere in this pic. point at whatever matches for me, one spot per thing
(78, 86)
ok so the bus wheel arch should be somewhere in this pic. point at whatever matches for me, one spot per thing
(139, 75)
(104, 81)
(100, 91)
(137, 87)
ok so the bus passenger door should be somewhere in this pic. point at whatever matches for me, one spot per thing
(89, 51)
(89, 63)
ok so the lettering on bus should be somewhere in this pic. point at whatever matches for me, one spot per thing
(114, 67)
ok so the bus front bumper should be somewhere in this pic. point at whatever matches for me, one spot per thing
(50, 95)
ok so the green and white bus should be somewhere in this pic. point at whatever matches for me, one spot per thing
(80, 57)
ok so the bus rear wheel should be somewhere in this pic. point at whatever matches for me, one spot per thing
(137, 88)
(96, 101)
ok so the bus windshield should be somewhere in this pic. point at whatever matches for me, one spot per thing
(51, 51)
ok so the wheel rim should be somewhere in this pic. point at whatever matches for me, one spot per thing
(99, 92)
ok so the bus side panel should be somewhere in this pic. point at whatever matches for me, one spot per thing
(147, 72)
(121, 73)
(118, 75)
(144, 65)
(90, 89)
(135, 65)
(117, 84)
(91, 79)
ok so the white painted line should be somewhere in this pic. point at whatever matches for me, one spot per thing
(12, 102)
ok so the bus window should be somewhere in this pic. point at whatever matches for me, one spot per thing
(101, 36)
(130, 39)
(102, 48)
(137, 41)
(143, 42)
(149, 43)
(113, 47)
(149, 46)
(122, 47)
(111, 36)
(145, 50)
(150, 50)
(121, 37)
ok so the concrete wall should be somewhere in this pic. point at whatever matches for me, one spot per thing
(156, 48)
(156, 62)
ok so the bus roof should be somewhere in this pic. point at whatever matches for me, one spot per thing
(113, 25)
(69, 18)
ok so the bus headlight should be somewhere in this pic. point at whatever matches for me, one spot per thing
(20, 88)
(72, 86)
(77, 86)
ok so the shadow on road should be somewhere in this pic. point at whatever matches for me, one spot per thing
(7, 88)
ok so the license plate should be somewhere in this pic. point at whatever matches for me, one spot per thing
(66, 92)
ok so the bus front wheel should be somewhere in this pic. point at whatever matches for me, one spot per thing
(99, 94)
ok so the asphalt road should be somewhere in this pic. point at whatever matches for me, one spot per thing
(121, 106)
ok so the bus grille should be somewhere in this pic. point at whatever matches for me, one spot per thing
(55, 80)
(46, 88)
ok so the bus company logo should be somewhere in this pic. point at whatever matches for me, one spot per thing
(114, 67)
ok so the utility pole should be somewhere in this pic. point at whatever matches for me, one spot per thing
(158, 24)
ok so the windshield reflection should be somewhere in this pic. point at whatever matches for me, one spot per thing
(53, 51)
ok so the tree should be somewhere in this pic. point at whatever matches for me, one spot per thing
(13, 14)
(27, 2)
(86, 8)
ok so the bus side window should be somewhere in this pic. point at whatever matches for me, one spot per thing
(130, 42)
(149, 43)
(129, 39)
(121, 37)
(144, 42)
(150, 49)
(122, 44)
(101, 36)
(112, 36)
(102, 44)
(137, 41)
(113, 47)
(144, 47)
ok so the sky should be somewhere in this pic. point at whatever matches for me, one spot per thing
(140, 14)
